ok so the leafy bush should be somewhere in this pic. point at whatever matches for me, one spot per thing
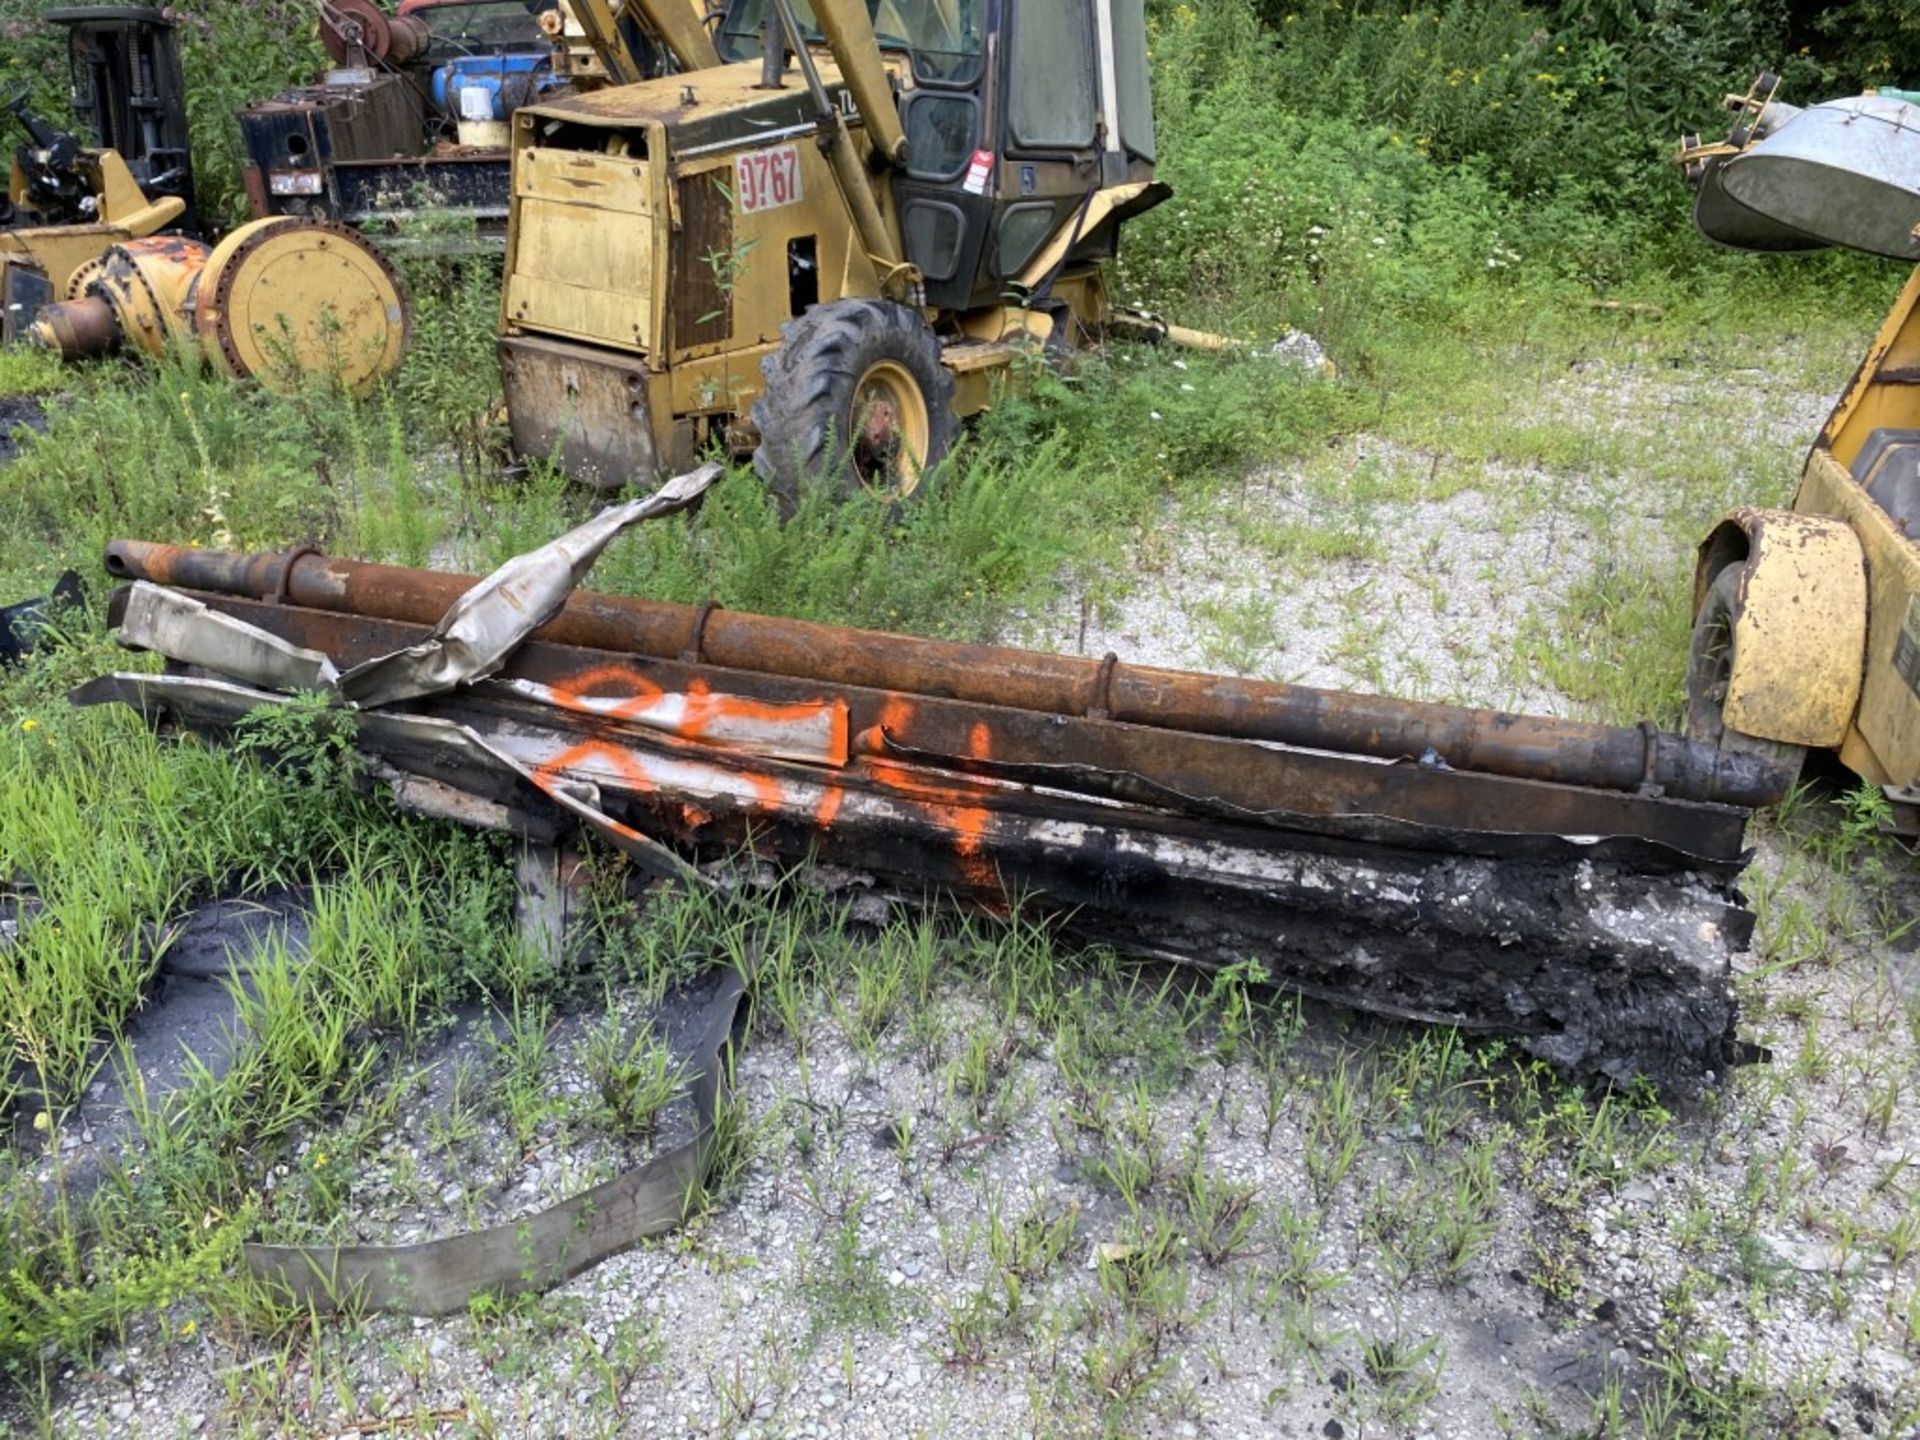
(234, 55)
(1355, 169)
(1587, 91)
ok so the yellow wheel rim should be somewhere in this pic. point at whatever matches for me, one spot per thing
(891, 428)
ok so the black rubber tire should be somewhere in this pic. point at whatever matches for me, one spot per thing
(806, 412)
(1709, 663)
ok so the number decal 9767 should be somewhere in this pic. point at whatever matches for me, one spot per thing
(767, 179)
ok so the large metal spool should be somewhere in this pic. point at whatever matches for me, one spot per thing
(359, 31)
(278, 301)
(286, 297)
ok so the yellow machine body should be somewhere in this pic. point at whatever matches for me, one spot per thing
(125, 213)
(282, 298)
(664, 235)
(1827, 628)
(278, 301)
(1799, 628)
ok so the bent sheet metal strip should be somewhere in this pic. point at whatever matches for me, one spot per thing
(536, 1252)
(488, 623)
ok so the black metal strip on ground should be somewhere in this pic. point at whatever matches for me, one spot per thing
(539, 1251)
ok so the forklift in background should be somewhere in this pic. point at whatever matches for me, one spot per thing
(127, 176)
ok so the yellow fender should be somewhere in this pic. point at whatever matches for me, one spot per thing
(1800, 624)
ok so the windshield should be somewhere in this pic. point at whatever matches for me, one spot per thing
(943, 36)
(483, 27)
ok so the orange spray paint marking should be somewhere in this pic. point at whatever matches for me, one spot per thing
(971, 823)
(980, 741)
(580, 756)
(895, 714)
(828, 810)
(648, 774)
(955, 809)
(620, 679)
(813, 732)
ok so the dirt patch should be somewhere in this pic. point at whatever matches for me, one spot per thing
(19, 414)
(1418, 599)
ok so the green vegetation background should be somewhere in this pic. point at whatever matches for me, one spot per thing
(1381, 176)
(1408, 183)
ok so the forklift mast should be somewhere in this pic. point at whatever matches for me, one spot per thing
(129, 94)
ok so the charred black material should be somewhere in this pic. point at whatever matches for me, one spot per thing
(1595, 925)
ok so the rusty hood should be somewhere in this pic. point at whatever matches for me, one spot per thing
(703, 110)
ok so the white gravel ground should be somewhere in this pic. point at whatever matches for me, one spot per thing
(1768, 1239)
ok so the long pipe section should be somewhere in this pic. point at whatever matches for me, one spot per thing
(1523, 746)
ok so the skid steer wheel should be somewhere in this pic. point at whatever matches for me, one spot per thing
(1710, 668)
(855, 396)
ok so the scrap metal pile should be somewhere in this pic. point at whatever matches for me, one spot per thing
(1571, 885)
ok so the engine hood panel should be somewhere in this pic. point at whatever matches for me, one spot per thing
(707, 109)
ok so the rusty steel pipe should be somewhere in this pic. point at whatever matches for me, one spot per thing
(1233, 781)
(82, 329)
(1486, 741)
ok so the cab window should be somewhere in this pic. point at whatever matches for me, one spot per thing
(1136, 82)
(1052, 104)
(942, 36)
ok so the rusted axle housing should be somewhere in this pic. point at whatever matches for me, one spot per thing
(1486, 742)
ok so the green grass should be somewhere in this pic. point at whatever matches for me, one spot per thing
(1399, 1151)
(116, 832)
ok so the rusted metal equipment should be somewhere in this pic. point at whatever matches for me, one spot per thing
(1518, 746)
(1174, 815)
(411, 115)
(276, 301)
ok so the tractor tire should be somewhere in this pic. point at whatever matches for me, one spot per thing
(1710, 659)
(856, 398)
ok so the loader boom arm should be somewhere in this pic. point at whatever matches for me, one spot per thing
(849, 34)
(679, 29)
(671, 22)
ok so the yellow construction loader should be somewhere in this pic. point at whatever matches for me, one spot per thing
(1807, 628)
(823, 237)
(1807, 621)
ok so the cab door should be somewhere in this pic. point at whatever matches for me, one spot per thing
(1005, 161)
(1051, 132)
(945, 194)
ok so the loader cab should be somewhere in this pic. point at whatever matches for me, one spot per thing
(1018, 113)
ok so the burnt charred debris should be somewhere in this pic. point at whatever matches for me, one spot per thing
(1566, 884)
